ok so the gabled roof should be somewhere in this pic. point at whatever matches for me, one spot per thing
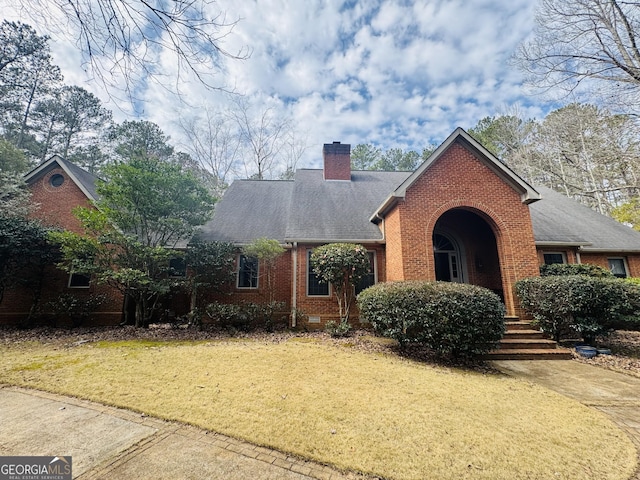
(307, 209)
(83, 179)
(559, 220)
(527, 193)
(311, 209)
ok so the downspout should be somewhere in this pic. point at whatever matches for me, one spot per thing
(294, 283)
(578, 259)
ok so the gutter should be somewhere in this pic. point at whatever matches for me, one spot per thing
(610, 250)
(294, 283)
(562, 244)
(336, 240)
(384, 208)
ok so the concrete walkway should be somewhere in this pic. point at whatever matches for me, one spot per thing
(110, 443)
(615, 394)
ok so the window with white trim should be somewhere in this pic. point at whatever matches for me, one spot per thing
(618, 267)
(315, 288)
(552, 258)
(247, 272)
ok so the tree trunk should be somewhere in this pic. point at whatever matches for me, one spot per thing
(139, 313)
(25, 117)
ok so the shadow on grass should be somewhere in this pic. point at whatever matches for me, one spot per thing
(422, 354)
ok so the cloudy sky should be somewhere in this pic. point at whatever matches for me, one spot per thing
(393, 73)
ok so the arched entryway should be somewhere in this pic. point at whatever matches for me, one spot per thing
(465, 250)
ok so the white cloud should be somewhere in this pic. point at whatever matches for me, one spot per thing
(397, 73)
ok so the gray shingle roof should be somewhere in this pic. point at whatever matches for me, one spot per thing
(86, 181)
(250, 209)
(558, 219)
(337, 210)
(312, 209)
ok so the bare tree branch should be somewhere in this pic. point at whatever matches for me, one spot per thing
(590, 42)
(213, 144)
(263, 136)
(125, 40)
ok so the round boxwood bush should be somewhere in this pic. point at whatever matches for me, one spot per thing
(577, 304)
(450, 318)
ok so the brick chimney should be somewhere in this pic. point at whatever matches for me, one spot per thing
(337, 161)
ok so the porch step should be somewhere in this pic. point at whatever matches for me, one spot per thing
(513, 325)
(529, 354)
(524, 334)
(522, 341)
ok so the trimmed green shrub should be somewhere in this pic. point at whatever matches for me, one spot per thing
(338, 329)
(631, 321)
(342, 265)
(588, 306)
(76, 309)
(450, 318)
(587, 269)
(245, 316)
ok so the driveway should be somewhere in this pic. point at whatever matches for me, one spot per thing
(110, 443)
(615, 394)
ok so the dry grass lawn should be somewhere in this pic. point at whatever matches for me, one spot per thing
(368, 412)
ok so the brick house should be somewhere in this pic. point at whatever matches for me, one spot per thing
(57, 187)
(462, 216)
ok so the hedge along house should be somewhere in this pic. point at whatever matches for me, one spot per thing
(462, 216)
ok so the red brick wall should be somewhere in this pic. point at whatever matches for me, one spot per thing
(281, 284)
(17, 302)
(633, 264)
(459, 180)
(602, 259)
(327, 307)
(337, 161)
(55, 208)
(596, 258)
(393, 237)
(56, 204)
(569, 253)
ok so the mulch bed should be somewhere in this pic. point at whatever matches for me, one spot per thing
(625, 348)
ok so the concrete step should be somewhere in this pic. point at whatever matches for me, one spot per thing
(529, 354)
(518, 325)
(531, 334)
(522, 343)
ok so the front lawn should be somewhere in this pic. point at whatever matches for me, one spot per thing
(370, 412)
